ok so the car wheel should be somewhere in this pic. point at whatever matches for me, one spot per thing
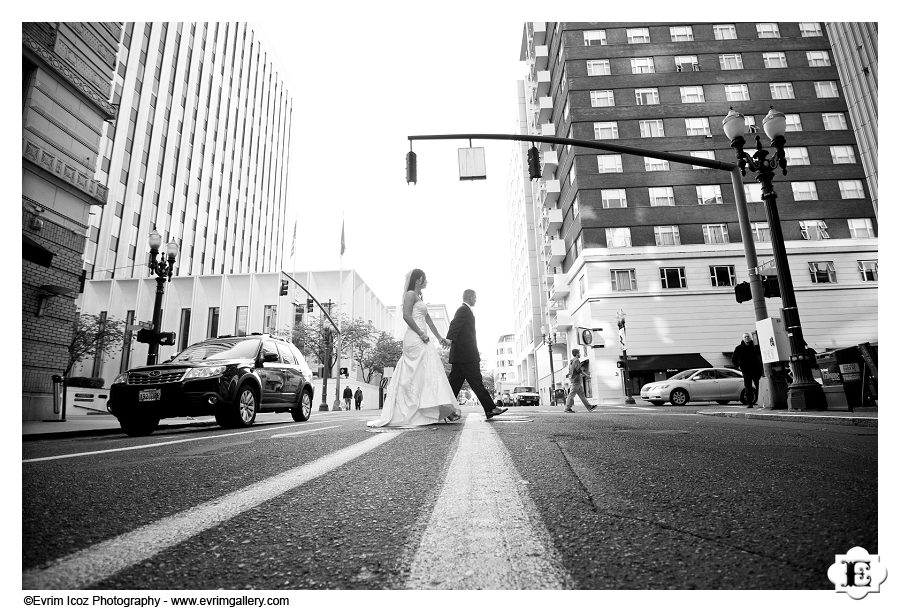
(246, 405)
(657, 402)
(679, 397)
(723, 402)
(138, 426)
(303, 409)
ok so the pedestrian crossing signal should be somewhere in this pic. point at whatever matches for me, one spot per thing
(742, 292)
(344, 372)
(770, 286)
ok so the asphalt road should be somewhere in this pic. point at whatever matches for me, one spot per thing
(622, 498)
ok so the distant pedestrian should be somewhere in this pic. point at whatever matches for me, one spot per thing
(358, 396)
(575, 378)
(348, 395)
(748, 359)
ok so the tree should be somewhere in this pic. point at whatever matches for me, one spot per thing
(312, 337)
(488, 378)
(92, 335)
(375, 352)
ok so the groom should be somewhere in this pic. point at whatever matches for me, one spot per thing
(464, 356)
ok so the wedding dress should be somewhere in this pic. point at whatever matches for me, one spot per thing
(419, 392)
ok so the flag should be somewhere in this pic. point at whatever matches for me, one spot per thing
(294, 241)
(343, 247)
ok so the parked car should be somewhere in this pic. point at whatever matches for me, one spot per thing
(504, 399)
(231, 378)
(722, 385)
(525, 396)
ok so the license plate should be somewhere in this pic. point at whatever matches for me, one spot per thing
(149, 395)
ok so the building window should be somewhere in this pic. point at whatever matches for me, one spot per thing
(623, 280)
(652, 128)
(184, 329)
(686, 63)
(655, 165)
(681, 33)
(594, 37)
(709, 194)
(767, 30)
(826, 89)
(861, 228)
(692, 94)
(710, 155)
(667, 235)
(581, 285)
(646, 96)
(269, 319)
(750, 122)
(724, 32)
(851, 189)
(781, 91)
(792, 123)
(761, 232)
(822, 272)
(753, 192)
(697, 126)
(796, 156)
(810, 29)
(618, 237)
(868, 270)
(606, 130)
(609, 163)
(661, 196)
(572, 175)
(613, 198)
(602, 97)
(814, 230)
(721, 276)
(804, 190)
(731, 61)
(843, 154)
(737, 93)
(212, 323)
(672, 278)
(637, 35)
(834, 121)
(240, 321)
(642, 65)
(818, 58)
(775, 60)
(576, 208)
(715, 233)
(598, 67)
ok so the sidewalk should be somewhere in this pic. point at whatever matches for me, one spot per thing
(867, 418)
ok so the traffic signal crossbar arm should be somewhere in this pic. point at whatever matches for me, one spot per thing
(313, 298)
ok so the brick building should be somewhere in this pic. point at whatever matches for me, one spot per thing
(67, 73)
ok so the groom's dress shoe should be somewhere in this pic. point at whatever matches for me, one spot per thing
(495, 412)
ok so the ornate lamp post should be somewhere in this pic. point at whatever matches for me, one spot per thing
(550, 339)
(804, 393)
(326, 365)
(162, 268)
(626, 379)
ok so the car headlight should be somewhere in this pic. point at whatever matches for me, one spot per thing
(204, 372)
(121, 378)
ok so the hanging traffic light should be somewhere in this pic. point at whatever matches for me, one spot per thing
(411, 168)
(742, 292)
(309, 305)
(284, 288)
(534, 163)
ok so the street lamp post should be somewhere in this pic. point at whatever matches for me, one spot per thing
(804, 393)
(550, 340)
(326, 364)
(162, 268)
(626, 380)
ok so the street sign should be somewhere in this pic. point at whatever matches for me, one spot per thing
(471, 164)
(766, 268)
(139, 325)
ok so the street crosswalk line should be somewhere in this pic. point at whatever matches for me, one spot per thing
(83, 568)
(484, 531)
(305, 431)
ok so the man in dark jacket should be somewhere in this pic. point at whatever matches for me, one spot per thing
(348, 395)
(748, 359)
(358, 397)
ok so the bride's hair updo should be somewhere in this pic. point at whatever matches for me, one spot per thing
(414, 276)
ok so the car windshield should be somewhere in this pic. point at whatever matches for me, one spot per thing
(233, 348)
(523, 390)
(685, 374)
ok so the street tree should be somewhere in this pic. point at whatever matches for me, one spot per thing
(93, 335)
(313, 335)
(376, 351)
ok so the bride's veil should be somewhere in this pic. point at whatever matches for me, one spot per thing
(400, 326)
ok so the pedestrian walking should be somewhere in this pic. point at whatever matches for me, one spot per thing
(358, 396)
(348, 395)
(576, 375)
(748, 359)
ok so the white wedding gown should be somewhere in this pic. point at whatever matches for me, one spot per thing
(419, 392)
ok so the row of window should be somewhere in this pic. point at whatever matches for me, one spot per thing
(691, 63)
(685, 33)
(723, 276)
(693, 94)
(655, 128)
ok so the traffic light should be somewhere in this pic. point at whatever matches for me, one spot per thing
(742, 292)
(167, 338)
(411, 168)
(534, 163)
(309, 305)
(770, 286)
(284, 288)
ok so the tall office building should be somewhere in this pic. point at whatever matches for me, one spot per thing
(660, 241)
(198, 150)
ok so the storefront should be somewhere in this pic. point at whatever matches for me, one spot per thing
(644, 369)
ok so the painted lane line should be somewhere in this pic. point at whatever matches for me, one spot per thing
(305, 431)
(155, 444)
(83, 568)
(645, 408)
(481, 534)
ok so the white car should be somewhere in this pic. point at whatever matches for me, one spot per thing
(722, 385)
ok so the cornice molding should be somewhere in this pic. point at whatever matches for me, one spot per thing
(91, 40)
(45, 160)
(63, 49)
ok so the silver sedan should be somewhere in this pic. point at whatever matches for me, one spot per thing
(722, 385)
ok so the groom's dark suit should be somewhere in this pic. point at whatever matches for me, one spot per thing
(464, 357)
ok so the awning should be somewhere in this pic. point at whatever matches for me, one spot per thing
(34, 252)
(675, 362)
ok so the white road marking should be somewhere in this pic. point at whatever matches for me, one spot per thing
(646, 408)
(305, 431)
(481, 534)
(83, 568)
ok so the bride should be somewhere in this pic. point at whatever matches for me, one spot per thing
(419, 392)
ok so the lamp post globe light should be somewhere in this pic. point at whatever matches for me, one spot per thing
(626, 379)
(804, 393)
(162, 268)
(550, 339)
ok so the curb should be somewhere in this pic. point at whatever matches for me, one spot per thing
(105, 431)
(798, 418)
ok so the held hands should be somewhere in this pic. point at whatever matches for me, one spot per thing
(445, 343)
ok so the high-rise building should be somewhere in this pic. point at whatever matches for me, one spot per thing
(198, 150)
(67, 71)
(506, 371)
(660, 241)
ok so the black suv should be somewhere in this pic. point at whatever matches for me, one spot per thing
(232, 378)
